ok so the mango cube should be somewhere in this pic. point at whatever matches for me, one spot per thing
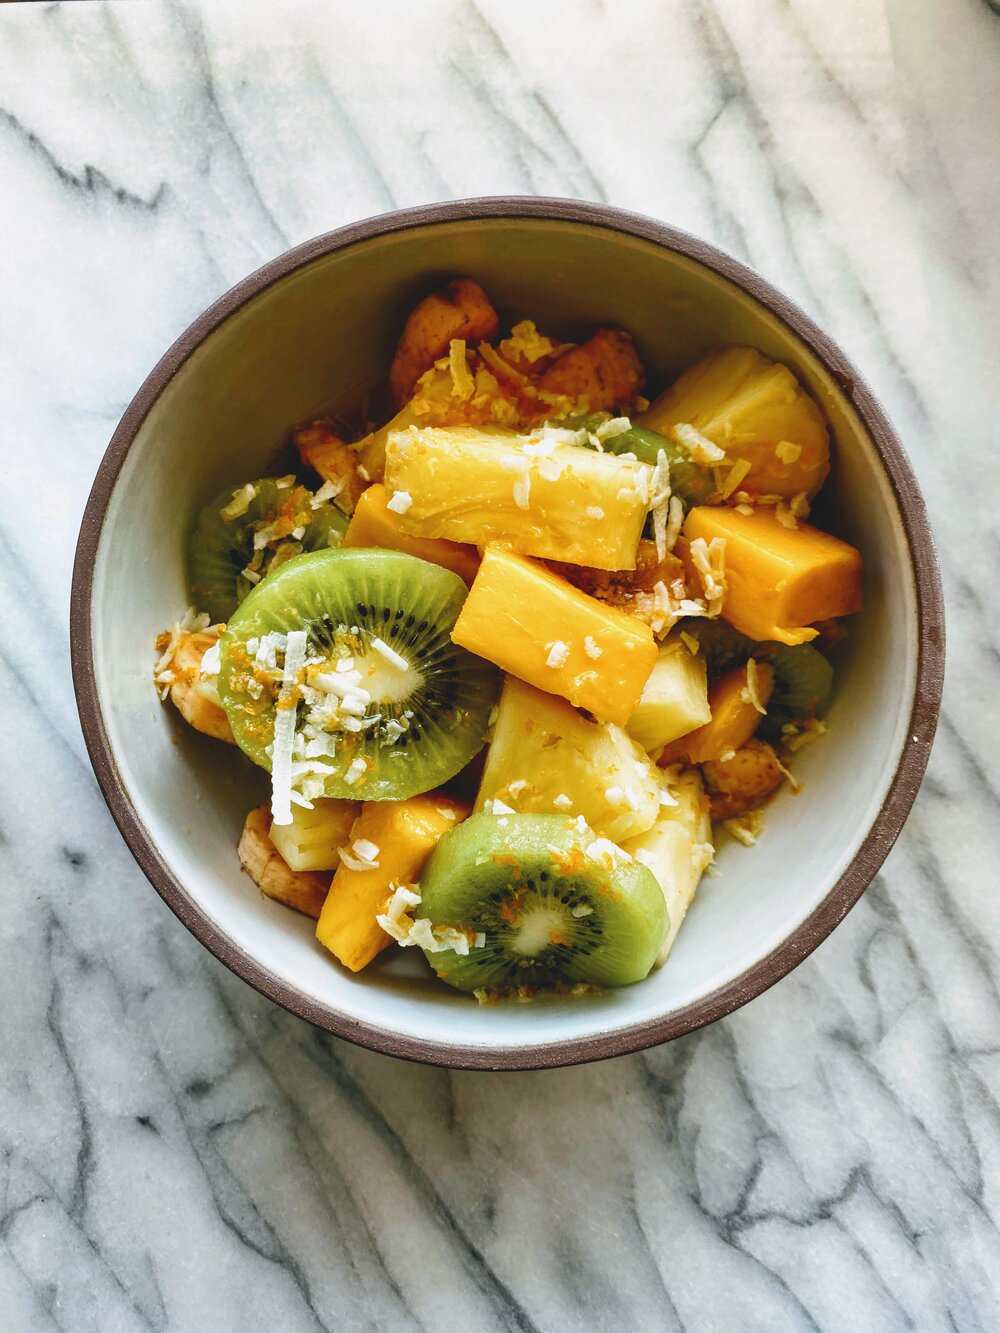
(779, 580)
(735, 716)
(534, 495)
(538, 627)
(375, 524)
(404, 833)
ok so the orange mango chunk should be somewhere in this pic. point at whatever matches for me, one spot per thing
(779, 580)
(538, 627)
(405, 833)
(734, 716)
(374, 524)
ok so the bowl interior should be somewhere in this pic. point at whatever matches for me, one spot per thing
(321, 334)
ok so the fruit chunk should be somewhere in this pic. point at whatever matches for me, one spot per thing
(540, 628)
(195, 697)
(678, 848)
(779, 580)
(803, 681)
(675, 698)
(553, 903)
(404, 834)
(379, 703)
(693, 484)
(743, 781)
(546, 758)
(334, 460)
(314, 837)
(605, 372)
(375, 524)
(459, 310)
(305, 891)
(245, 533)
(735, 716)
(529, 493)
(753, 409)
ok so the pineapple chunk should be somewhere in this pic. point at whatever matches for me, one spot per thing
(779, 580)
(404, 833)
(537, 626)
(753, 409)
(314, 837)
(375, 524)
(678, 847)
(675, 699)
(546, 758)
(529, 493)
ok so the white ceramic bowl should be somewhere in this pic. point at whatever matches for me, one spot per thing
(312, 326)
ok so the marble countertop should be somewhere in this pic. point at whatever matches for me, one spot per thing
(176, 1152)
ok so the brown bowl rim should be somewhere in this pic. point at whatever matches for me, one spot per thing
(885, 827)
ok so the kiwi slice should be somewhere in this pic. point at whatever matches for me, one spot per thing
(803, 681)
(223, 561)
(693, 484)
(555, 903)
(385, 704)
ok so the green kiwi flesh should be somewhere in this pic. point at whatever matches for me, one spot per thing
(222, 547)
(550, 913)
(416, 725)
(803, 681)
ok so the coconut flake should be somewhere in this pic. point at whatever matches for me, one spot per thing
(390, 654)
(399, 502)
(284, 729)
(240, 503)
(558, 654)
(592, 648)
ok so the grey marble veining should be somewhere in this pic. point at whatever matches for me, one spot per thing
(177, 1153)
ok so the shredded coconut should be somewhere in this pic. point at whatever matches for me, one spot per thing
(498, 807)
(698, 447)
(709, 560)
(390, 654)
(361, 855)
(788, 452)
(562, 802)
(752, 692)
(355, 772)
(736, 475)
(558, 654)
(284, 728)
(398, 921)
(399, 502)
(240, 503)
(592, 648)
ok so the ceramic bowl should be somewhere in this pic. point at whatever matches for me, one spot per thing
(317, 325)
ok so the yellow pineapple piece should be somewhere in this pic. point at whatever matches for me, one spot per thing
(547, 758)
(754, 410)
(528, 493)
(678, 847)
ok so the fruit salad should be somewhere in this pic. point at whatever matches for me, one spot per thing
(517, 654)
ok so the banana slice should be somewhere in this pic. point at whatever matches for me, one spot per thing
(195, 696)
(304, 890)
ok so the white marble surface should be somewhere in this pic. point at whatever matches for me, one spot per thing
(177, 1153)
